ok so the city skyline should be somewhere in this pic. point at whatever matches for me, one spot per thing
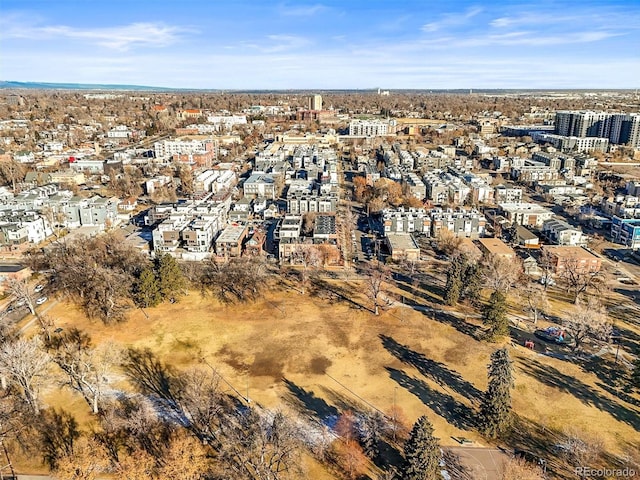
(323, 45)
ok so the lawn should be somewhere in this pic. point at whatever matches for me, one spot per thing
(321, 356)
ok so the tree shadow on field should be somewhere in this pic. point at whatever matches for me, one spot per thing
(345, 292)
(149, 374)
(308, 404)
(433, 370)
(551, 376)
(454, 412)
(447, 318)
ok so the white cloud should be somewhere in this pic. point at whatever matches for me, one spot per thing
(118, 38)
(278, 43)
(301, 11)
(452, 20)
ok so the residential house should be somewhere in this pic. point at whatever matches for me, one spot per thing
(561, 233)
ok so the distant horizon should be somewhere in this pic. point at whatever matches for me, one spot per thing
(324, 44)
(36, 85)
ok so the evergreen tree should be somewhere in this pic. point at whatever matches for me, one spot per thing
(146, 291)
(454, 285)
(171, 281)
(494, 314)
(421, 453)
(495, 411)
(472, 280)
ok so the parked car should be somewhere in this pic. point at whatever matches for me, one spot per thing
(547, 281)
(38, 288)
(41, 300)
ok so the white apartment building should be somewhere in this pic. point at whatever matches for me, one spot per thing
(505, 194)
(526, 214)
(561, 233)
(369, 128)
(120, 131)
(167, 148)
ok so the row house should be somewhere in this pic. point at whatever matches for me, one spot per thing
(18, 227)
(190, 226)
(260, 185)
(507, 194)
(506, 164)
(445, 187)
(416, 187)
(95, 212)
(626, 231)
(411, 220)
(624, 206)
(561, 233)
(301, 203)
(534, 171)
(462, 223)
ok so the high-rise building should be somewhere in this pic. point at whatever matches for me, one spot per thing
(315, 102)
(619, 128)
(581, 124)
(625, 129)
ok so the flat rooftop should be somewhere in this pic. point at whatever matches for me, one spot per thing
(495, 246)
(231, 234)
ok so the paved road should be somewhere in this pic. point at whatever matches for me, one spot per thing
(481, 463)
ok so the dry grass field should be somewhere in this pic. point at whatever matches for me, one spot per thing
(322, 356)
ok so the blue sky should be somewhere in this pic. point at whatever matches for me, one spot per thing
(323, 45)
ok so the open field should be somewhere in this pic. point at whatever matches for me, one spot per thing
(323, 356)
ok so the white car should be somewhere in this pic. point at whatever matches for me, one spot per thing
(41, 300)
(38, 288)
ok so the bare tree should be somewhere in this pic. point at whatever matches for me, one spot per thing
(13, 418)
(87, 461)
(547, 266)
(87, 369)
(184, 458)
(579, 449)
(534, 298)
(24, 364)
(261, 445)
(239, 279)
(589, 320)
(500, 273)
(376, 275)
(55, 219)
(579, 278)
(12, 172)
(520, 469)
(448, 242)
(23, 292)
(309, 257)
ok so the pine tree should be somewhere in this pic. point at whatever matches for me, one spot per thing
(454, 286)
(421, 453)
(494, 315)
(171, 281)
(495, 411)
(146, 291)
(472, 280)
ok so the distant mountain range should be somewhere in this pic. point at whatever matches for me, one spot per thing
(80, 86)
